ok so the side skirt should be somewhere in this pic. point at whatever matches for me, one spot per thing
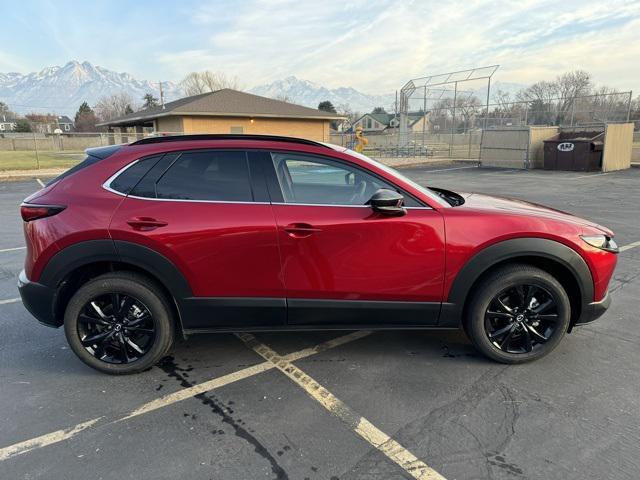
(317, 328)
(242, 313)
(361, 312)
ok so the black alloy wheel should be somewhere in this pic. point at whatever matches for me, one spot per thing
(116, 328)
(517, 313)
(120, 323)
(521, 318)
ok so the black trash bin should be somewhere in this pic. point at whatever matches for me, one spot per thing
(576, 151)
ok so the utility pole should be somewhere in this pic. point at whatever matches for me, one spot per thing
(161, 95)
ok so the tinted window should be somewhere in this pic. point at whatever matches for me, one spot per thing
(147, 186)
(128, 179)
(209, 175)
(314, 180)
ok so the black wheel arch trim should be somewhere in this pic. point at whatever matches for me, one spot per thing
(73, 257)
(452, 309)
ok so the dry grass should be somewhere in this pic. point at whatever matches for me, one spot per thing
(27, 160)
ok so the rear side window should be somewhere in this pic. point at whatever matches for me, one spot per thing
(128, 179)
(207, 175)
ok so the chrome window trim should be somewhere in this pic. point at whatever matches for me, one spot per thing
(186, 200)
(107, 186)
(339, 205)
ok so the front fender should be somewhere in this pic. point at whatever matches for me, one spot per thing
(452, 309)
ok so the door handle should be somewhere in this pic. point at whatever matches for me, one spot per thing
(146, 223)
(301, 230)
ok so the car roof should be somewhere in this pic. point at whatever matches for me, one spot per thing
(240, 137)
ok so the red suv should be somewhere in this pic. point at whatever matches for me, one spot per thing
(178, 235)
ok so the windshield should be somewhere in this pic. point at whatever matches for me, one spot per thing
(435, 196)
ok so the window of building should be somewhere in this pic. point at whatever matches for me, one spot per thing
(237, 130)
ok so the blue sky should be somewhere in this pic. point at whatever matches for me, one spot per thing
(372, 45)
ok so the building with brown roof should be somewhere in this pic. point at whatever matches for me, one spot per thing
(230, 111)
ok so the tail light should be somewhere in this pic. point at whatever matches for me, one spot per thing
(31, 212)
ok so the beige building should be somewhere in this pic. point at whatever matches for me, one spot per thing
(229, 111)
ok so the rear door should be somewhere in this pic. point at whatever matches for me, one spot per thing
(208, 212)
(344, 264)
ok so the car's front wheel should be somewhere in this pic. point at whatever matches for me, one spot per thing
(519, 313)
(119, 323)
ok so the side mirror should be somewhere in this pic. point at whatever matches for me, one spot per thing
(387, 202)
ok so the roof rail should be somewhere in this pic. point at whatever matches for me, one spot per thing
(226, 136)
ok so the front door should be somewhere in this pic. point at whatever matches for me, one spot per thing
(201, 210)
(344, 264)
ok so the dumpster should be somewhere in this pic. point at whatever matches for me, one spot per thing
(577, 151)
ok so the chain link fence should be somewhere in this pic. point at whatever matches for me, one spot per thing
(39, 151)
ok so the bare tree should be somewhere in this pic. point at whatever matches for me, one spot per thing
(113, 106)
(563, 91)
(283, 98)
(207, 81)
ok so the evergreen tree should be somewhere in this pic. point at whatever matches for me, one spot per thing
(327, 106)
(22, 125)
(149, 101)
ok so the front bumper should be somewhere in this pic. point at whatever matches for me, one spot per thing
(39, 300)
(594, 310)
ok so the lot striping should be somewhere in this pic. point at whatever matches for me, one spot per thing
(190, 392)
(10, 300)
(360, 425)
(44, 440)
(40, 182)
(630, 246)
(12, 249)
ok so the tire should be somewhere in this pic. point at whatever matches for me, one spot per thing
(142, 320)
(500, 323)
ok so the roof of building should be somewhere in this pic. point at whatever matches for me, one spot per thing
(64, 119)
(227, 103)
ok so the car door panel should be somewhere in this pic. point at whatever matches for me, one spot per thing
(227, 250)
(356, 255)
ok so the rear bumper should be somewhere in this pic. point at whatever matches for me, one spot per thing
(594, 310)
(38, 299)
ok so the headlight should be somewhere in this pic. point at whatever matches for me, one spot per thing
(603, 242)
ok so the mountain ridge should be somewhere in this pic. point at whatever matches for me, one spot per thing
(61, 90)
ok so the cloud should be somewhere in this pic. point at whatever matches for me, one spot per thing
(379, 45)
(372, 45)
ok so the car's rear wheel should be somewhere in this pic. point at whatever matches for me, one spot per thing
(519, 313)
(119, 323)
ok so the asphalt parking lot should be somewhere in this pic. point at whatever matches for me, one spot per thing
(338, 405)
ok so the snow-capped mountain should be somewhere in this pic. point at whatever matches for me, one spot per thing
(310, 94)
(63, 89)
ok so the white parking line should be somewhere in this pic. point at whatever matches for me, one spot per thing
(44, 440)
(60, 435)
(12, 249)
(40, 182)
(449, 169)
(629, 246)
(592, 175)
(360, 425)
(10, 300)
